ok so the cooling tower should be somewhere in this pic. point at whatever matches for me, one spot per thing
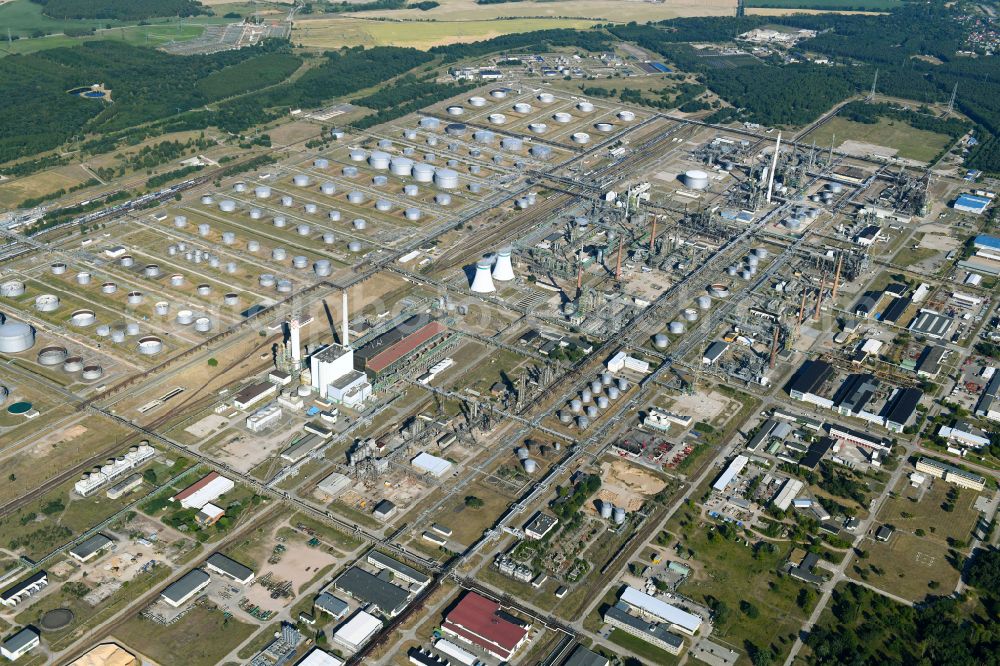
(503, 270)
(482, 283)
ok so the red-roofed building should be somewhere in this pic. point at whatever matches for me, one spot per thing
(480, 621)
(395, 345)
(207, 489)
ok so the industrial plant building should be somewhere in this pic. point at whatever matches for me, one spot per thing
(357, 631)
(207, 489)
(20, 644)
(481, 622)
(650, 606)
(90, 548)
(185, 588)
(951, 474)
(385, 352)
(28, 587)
(655, 634)
(368, 588)
(220, 564)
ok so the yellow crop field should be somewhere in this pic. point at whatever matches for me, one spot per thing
(619, 11)
(354, 31)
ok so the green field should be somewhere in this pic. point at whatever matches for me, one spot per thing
(833, 5)
(139, 35)
(909, 142)
(24, 17)
(641, 648)
(208, 636)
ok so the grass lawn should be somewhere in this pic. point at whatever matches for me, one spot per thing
(467, 523)
(201, 638)
(910, 142)
(909, 256)
(907, 564)
(352, 31)
(908, 515)
(608, 10)
(640, 647)
(727, 570)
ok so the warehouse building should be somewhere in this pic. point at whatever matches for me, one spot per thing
(654, 634)
(220, 564)
(481, 622)
(20, 644)
(28, 587)
(357, 631)
(209, 488)
(808, 382)
(185, 588)
(334, 485)
(403, 572)
(674, 617)
(930, 324)
(965, 434)
(318, 657)
(368, 588)
(971, 203)
(251, 395)
(901, 408)
(540, 525)
(90, 548)
(732, 470)
(989, 402)
(859, 438)
(433, 465)
(333, 606)
(387, 351)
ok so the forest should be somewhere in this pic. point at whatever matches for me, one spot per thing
(869, 629)
(121, 10)
(539, 40)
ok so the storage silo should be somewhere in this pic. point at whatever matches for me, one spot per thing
(530, 466)
(606, 509)
(618, 515)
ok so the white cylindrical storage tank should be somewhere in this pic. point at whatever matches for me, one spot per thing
(161, 308)
(150, 345)
(262, 192)
(176, 280)
(530, 466)
(385, 144)
(623, 384)
(604, 127)
(541, 152)
(455, 110)
(240, 187)
(586, 396)
(83, 318)
(379, 160)
(401, 166)
(128, 261)
(565, 417)
(329, 238)
(455, 129)
(606, 509)
(185, 317)
(350, 172)
(546, 98)
(429, 123)
(411, 190)
(287, 201)
(580, 137)
(596, 387)
(58, 268)
(227, 205)
(207, 199)
(618, 515)
(423, 173)
(607, 379)
(300, 261)
(132, 328)
(575, 405)
(602, 402)
(614, 393)
(359, 223)
(356, 197)
(134, 297)
(690, 314)
(230, 267)
(696, 179)
(354, 246)
(511, 143)
(328, 188)
(522, 108)
(204, 230)
(279, 254)
(253, 246)
(303, 230)
(228, 237)
(52, 355)
(584, 107)
(91, 372)
(284, 286)
(279, 221)
(103, 330)
(203, 324)
(309, 208)
(73, 363)
(475, 188)
(761, 252)
(626, 116)
(446, 179)
(231, 299)
(731, 271)
(498, 93)
(497, 118)
(521, 453)
(47, 303)
(538, 128)
(660, 341)
(322, 268)
(482, 136)
(12, 289)
(334, 216)
(442, 199)
(582, 422)
(593, 412)
(676, 327)
(412, 214)
(83, 277)
(203, 289)
(383, 205)
(562, 117)
(358, 155)
(477, 101)
(321, 163)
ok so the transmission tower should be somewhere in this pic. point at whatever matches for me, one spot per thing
(951, 102)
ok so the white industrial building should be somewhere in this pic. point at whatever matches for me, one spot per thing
(452, 651)
(731, 472)
(208, 489)
(622, 361)
(264, 418)
(333, 373)
(114, 468)
(334, 485)
(677, 619)
(787, 493)
(357, 631)
(320, 658)
(425, 462)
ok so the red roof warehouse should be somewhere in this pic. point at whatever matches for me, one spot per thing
(477, 620)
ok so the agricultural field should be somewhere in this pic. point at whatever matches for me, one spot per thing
(608, 10)
(828, 5)
(355, 31)
(885, 136)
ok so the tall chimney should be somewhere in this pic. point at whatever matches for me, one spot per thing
(819, 298)
(618, 265)
(294, 339)
(652, 237)
(346, 337)
(802, 312)
(774, 348)
(836, 278)
(774, 167)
